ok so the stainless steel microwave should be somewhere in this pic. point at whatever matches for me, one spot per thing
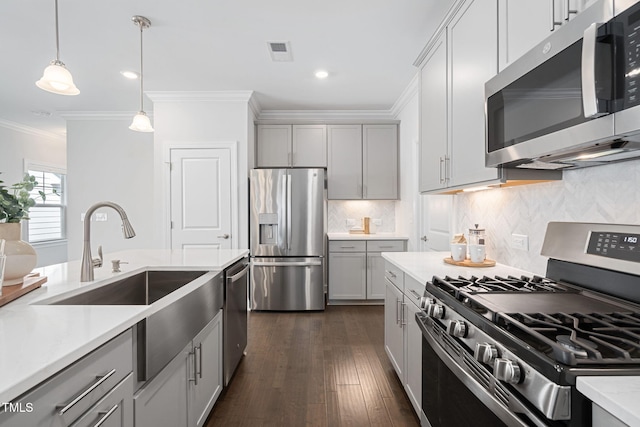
(574, 99)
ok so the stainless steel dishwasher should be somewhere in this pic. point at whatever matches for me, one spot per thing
(235, 316)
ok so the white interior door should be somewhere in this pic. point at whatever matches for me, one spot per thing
(201, 198)
(435, 224)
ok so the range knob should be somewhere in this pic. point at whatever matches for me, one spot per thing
(457, 328)
(436, 310)
(485, 353)
(425, 302)
(507, 370)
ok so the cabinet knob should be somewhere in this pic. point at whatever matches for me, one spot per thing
(424, 238)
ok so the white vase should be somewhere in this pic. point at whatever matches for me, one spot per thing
(21, 257)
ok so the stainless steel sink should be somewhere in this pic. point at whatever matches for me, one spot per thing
(165, 332)
(141, 289)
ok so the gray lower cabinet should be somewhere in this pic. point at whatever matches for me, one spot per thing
(97, 387)
(184, 392)
(402, 335)
(356, 268)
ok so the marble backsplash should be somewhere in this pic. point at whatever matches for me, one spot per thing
(341, 210)
(604, 194)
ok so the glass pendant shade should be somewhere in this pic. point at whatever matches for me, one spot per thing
(57, 79)
(141, 123)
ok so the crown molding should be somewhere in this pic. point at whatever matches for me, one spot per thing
(254, 105)
(409, 92)
(30, 130)
(100, 115)
(325, 115)
(201, 96)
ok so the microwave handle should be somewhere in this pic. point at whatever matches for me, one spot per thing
(588, 69)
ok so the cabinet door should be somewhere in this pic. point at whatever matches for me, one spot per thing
(393, 331)
(344, 165)
(375, 276)
(207, 347)
(413, 357)
(113, 410)
(472, 46)
(522, 25)
(433, 116)
(347, 276)
(309, 146)
(273, 146)
(380, 162)
(163, 401)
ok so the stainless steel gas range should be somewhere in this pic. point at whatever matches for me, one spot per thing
(507, 350)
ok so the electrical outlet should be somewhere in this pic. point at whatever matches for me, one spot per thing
(520, 241)
(376, 221)
(351, 222)
(101, 216)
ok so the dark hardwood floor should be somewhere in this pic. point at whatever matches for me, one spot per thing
(315, 369)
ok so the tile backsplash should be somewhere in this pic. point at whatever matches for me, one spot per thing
(341, 210)
(604, 194)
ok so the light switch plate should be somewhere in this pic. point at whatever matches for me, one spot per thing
(351, 222)
(376, 221)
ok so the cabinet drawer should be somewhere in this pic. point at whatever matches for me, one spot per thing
(385, 245)
(115, 409)
(413, 289)
(347, 246)
(394, 274)
(78, 387)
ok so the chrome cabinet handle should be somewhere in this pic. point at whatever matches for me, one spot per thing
(403, 321)
(424, 238)
(568, 11)
(391, 273)
(440, 174)
(347, 247)
(415, 294)
(224, 236)
(100, 379)
(447, 162)
(553, 21)
(105, 415)
(195, 375)
(199, 360)
(397, 311)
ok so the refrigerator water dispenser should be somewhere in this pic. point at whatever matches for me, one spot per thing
(268, 223)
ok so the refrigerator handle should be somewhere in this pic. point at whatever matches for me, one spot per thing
(288, 211)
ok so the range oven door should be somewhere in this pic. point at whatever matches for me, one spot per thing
(452, 395)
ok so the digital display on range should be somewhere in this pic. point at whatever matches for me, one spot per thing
(614, 245)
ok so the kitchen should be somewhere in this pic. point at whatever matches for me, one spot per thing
(96, 141)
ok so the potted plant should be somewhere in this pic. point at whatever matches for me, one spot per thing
(15, 202)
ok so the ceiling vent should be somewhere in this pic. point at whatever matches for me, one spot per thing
(280, 51)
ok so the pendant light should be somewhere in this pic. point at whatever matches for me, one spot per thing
(56, 78)
(141, 122)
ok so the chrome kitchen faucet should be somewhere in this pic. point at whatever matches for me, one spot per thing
(86, 273)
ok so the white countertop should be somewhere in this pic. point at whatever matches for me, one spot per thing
(372, 236)
(422, 266)
(620, 396)
(39, 340)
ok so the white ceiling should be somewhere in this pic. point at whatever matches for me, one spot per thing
(368, 47)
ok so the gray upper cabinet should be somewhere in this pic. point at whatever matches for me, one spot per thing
(460, 60)
(291, 146)
(525, 23)
(362, 162)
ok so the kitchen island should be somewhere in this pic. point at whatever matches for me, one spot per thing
(39, 340)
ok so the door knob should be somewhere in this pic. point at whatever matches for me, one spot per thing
(224, 236)
(424, 238)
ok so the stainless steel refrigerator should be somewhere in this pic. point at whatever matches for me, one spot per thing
(287, 232)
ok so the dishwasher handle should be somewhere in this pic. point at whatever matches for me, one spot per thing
(238, 275)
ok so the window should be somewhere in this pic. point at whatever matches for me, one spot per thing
(48, 217)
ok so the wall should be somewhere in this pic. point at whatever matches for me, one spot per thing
(200, 118)
(338, 211)
(18, 143)
(108, 161)
(606, 194)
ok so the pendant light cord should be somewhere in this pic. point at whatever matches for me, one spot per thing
(57, 35)
(141, 71)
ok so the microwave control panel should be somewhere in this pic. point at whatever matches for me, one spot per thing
(631, 23)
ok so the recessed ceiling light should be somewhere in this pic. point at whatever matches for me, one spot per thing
(322, 74)
(41, 113)
(130, 74)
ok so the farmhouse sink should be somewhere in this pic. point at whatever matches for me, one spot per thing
(141, 289)
(169, 327)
